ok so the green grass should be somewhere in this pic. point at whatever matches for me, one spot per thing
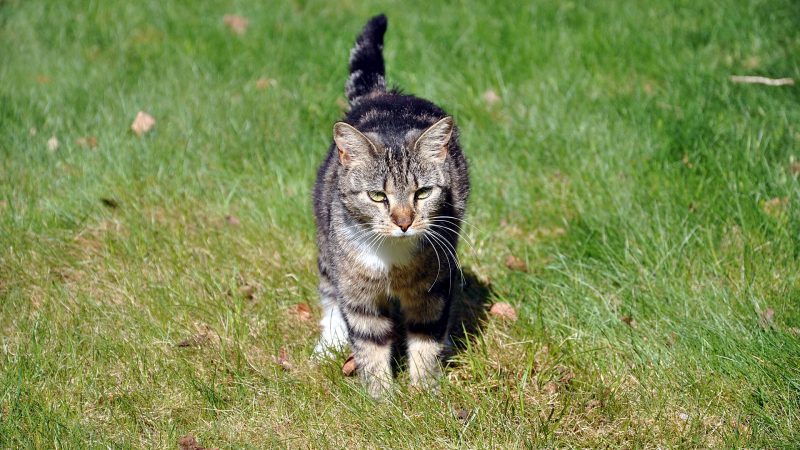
(621, 164)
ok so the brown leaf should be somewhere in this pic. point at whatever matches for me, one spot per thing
(794, 168)
(628, 320)
(88, 141)
(566, 377)
(263, 83)
(504, 311)
(205, 335)
(235, 23)
(143, 123)
(52, 144)
(283, 360)
(189, 442)
(514, 263)
(109, 203)
(462, 414)
(551, 388)
(349, 367)
(491, 97)
(248, 291)
(774, 207)
(752, 62)
(766, 318)
(301, 311)
(232, 220)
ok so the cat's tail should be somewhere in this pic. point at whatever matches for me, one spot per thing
(366, 62)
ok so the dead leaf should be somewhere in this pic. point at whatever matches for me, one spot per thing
(248, 291)
(232, 220)
(514, 263)
(462, 414)
(752, 62)
(566, 376)
(205, 335)
(504, 311)
(628, 320)
(263, 83)
(491, 97)
(88, 141)
(143, 123)
(765, 319)
(189, 442)
(236, 23)
(551, 388)
(774, 207)
(52, 144)
(762, 80)
(109, 202)
(349, 367)
(794, 168)
(283, 360)
(301, 311)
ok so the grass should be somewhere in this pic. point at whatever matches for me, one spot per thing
(654, 202)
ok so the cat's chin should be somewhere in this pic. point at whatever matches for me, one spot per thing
(409, 234)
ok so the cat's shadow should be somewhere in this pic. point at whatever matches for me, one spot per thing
(470, 309)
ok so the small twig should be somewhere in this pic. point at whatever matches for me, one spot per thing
(762, 80)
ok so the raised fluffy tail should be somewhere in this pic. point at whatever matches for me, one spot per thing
(366, 61)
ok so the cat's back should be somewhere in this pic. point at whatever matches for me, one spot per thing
(393, 111)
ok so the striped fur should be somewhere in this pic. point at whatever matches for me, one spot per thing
(388, 269)
(366, 62)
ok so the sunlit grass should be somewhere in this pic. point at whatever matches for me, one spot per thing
(653, 201)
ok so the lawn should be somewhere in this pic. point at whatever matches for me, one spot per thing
(149, 285)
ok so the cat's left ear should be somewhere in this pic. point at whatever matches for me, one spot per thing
(432, 144)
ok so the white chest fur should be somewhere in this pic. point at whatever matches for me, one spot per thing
(381, 254)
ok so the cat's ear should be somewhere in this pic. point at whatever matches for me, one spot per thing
(352, 144)
(432, 144)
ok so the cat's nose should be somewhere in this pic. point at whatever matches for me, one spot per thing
(403, 220)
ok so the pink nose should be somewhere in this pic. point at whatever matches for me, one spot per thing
(403, 222)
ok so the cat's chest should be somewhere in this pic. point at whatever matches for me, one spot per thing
(386, 256)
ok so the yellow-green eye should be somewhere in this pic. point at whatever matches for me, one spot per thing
(423, 193)
(376, 196)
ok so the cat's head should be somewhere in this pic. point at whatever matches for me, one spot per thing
(394, 184)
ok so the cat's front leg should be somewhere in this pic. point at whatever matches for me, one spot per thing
(426, 323)
(371, 337)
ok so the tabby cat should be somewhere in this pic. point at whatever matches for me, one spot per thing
(389, 201)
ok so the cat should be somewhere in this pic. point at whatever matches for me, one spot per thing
(389, 201)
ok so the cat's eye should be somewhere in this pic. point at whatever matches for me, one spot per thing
(376, 196)
(423, 193)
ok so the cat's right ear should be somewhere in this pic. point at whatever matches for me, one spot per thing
(353, 146)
